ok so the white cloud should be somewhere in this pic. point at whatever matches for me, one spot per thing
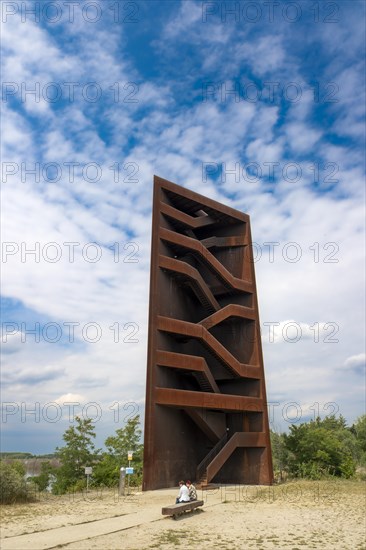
(265, 56)
(188, 20)
(356, 362)
(70, 398)
(301, 138)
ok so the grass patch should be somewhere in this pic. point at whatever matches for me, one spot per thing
(172, 537)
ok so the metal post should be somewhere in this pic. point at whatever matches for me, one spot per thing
(88, 472)
(128, 480)
(129, 458)
(122, 475)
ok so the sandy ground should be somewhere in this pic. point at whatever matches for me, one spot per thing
(295, 516)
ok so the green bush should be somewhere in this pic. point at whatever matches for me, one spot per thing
(47, 474)
(13, 486)
(78, 487)
(348, 467)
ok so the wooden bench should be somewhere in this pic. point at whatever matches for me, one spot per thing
(177, 509)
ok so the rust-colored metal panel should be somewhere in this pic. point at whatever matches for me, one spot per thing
(206, 410)
(206, 400)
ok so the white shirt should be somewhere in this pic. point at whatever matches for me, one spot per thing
(183, 494)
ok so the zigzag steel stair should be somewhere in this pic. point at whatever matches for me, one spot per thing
(206, 412)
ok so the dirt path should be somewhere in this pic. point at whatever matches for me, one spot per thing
(295, 516)
(61, 536)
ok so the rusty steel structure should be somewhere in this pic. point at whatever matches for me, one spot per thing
(206, 411)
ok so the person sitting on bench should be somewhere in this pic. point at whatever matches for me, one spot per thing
(183, 495)
(191, 490)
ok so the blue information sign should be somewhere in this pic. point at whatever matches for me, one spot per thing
(129, 470)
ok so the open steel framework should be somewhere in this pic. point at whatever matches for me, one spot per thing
(206, 414)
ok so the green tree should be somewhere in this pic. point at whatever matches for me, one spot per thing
(78, 453)
(359, 431)
(321, 447)
(126, 439)
(48, 472)
(280, 455)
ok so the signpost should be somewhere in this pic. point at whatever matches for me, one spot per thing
(122, 475)
(129, 470)
(88, 472)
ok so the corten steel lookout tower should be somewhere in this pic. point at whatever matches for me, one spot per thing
(206, 411)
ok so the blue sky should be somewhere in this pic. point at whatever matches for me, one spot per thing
(259, 105)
